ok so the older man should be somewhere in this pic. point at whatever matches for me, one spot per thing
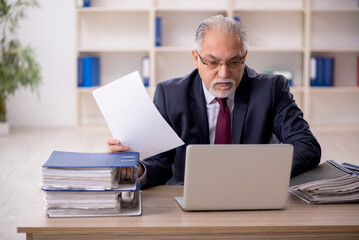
(223, 101)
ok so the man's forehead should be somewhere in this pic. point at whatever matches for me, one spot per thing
(222, 41)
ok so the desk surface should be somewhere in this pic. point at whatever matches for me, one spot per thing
(163, 217)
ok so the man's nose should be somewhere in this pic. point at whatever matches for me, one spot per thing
(223, 71)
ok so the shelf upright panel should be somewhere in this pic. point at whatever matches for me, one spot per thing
(118, 32)
(306, 59)
(334, 34)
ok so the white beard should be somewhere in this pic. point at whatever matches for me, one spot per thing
(225, 91)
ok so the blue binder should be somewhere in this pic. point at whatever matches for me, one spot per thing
(88, 71)
(61, 159)
(328, 72)
(87, 3)
(322, 72)
(158, 40)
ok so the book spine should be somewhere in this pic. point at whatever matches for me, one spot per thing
(80, 72)
(320, 72)
(158, 40)
(90, 71)
(87, 3)
(313, 71)
(145, 70)
(328, 64)
(86, 72)
(358, 72)
(95, 71)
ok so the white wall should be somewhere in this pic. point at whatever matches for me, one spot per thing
(50, 30)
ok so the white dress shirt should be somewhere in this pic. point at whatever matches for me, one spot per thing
(213, 107)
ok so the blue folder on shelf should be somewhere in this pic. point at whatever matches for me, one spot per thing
(321, 71)
(88, 71)
(158, 33)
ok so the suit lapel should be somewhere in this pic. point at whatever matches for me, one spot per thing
(240, 108)
(198, 109)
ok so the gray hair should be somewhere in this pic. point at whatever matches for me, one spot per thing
(223, 24)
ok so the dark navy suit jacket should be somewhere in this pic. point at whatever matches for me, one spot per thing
(263, 107)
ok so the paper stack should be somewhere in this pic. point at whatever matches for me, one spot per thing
(334, 183)
(80, 178)
(91, 184)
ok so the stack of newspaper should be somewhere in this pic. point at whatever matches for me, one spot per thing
(332, 183)
(91, 184)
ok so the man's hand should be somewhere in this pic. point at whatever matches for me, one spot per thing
(114, 145)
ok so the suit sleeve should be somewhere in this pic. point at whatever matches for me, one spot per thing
(159, 167)
(290, 127)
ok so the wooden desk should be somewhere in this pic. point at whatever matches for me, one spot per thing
(163, 219)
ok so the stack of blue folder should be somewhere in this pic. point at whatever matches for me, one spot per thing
(91, 184)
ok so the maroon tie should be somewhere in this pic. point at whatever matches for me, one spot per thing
(223, 127)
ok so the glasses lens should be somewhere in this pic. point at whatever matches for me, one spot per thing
(212, 64)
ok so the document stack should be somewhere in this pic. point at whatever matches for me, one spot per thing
(91, 184)
(330, 182)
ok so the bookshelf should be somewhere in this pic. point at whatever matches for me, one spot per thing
(122, 32)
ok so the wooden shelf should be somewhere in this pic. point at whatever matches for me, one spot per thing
(336, 10)
(86, 89)
(283, 35)
(335, 89)
(272, 10)
(111, 9)
(339, 49)
(275, 49)
(118, 48)
(173, 49)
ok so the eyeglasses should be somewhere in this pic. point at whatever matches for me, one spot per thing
(212, 64)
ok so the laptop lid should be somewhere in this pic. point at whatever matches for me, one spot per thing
(236, 177)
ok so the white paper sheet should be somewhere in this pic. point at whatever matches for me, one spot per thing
(133, 118)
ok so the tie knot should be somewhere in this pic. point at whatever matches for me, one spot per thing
(222, 102)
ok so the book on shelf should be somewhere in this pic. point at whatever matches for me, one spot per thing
(329, 182)
(91, 184)
(358, 71)
(88, 70)
(145, 70)
(158, 33)
(238, 19)
(321, 71)
(289, 75)
(83, 3)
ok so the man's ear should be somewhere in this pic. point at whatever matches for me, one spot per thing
(195, 58)
(245, 56)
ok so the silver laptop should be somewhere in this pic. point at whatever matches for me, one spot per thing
(236, 177)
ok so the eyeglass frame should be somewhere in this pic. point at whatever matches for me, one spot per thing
(204, 61)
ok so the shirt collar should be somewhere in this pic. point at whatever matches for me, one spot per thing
(210, 98)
